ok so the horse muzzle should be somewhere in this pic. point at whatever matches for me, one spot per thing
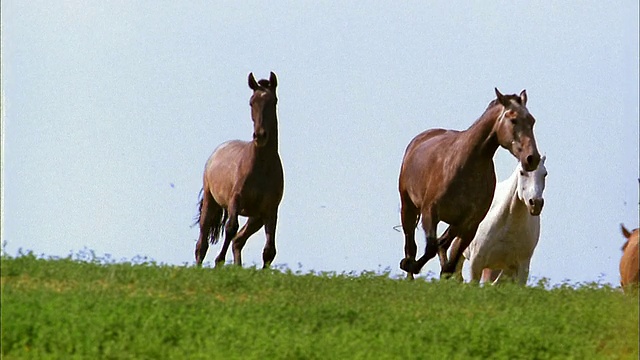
(535, 206)
(530, 163)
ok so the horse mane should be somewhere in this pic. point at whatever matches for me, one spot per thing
(492, 105)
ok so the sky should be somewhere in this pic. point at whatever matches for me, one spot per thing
(110, 110)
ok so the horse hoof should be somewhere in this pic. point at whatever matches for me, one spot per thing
(408, 265)
(404, 264)
(448, 269)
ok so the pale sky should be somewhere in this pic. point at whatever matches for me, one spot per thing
(111, 109)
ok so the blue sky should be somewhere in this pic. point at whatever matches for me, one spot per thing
(110, 110)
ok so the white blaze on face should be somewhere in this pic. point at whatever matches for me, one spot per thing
(531, 184)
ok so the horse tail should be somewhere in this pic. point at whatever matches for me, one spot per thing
(196, 219)
(220, 217)
(216, 217)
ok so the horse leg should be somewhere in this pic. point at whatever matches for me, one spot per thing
(223, 252)
(457, 250)
(458, 273)
(269, 252)
(230, 229)
(477, 270)
(522, 272)
(444, 241)
(206, 224)
(490, 276)
(409, 216)
(429, 225)
(252, 225)
(220, 259)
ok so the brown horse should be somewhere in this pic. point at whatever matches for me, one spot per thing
(629, 265)
(244, 178)
(449, 176)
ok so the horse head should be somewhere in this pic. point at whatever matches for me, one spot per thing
(531, 186)
(628, 235)
(515, 129)
(263, 109)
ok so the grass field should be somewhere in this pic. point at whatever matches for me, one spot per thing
(65, 308)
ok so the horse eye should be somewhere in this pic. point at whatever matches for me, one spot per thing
(522, 173)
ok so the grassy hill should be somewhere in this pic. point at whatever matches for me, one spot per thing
(64, 308)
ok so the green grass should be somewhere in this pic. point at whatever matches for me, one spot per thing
(65, 308)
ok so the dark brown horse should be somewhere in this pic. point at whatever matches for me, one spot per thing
(449, 176)
(244, 178)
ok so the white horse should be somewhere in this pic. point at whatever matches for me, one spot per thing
(508, 235)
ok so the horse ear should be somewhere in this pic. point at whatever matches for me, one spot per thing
(252, 82)
(523, 97)
(625, 232)
(273, 81)
(501, 98)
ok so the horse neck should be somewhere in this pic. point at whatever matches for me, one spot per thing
(506, 194)
(481, 135)
(517, 208)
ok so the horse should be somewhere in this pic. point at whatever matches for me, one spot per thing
(508, 235)
(629, 265)
(244, 178)
(448, 175)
